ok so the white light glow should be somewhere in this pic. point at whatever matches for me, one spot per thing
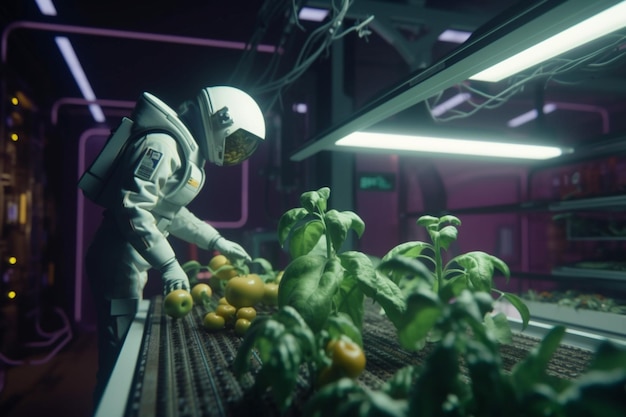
(79, 75)
(451, 103)
(599, 25)
(448, 146)
(530, 115)
(301, 108)
(46, 7)
(454, 36)
(312, 14)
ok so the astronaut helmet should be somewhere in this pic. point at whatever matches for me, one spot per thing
(232, 122)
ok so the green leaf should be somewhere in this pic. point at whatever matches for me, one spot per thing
(427, 221)
(596, 394)
(409, 249)
(472, 306)
(338, 226)
(490, 394)
(304, 238)
(309, 284)
(452, 287)
(446, 236)
(260, 329)
(400, 267)
(287, 221)
(399, 385)
(498, 325)
(453, 220)
(349, 299)
(609, 356)
(356, 263)
(315, 201)
(340, 223)
(385, 292)
(281, 371)
(327, 401)
(520, 306)
(381, 405)
(264, 264)
(423, 310)
(357, 224)
(192, 269)
(438, 383)
(532, 369)
(342, 325)
(479, 267)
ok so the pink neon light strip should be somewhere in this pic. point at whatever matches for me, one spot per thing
(126, 34)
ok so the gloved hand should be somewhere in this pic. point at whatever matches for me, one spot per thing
(174, 278)
(230, 249)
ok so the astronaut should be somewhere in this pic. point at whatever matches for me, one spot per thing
(153, 167)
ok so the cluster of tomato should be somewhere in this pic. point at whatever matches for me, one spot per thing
(242, 293)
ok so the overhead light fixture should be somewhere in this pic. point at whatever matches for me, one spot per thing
(312, 14)
(530, 115)
(46, 7)
(433, 144)
(532, 23)
(450, 103)
(454, 36)
(595, 27)
(79, 76)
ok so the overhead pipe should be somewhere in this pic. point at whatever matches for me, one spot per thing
(126, 34)
(604, 113)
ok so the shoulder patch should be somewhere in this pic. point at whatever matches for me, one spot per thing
(148, 164)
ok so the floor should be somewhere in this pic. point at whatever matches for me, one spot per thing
(60, 387)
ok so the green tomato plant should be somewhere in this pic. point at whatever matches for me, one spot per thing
(326, 287)
(321, 298)
(440, 387)
(427, 290)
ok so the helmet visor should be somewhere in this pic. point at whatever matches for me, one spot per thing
(239, 146)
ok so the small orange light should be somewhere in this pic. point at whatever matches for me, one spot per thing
(14, 137)
(15, 101)
(12, 260)
(11, 294)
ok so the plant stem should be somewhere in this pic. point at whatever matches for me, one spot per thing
(438, 267)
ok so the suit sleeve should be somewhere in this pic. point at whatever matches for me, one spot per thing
(188, 227)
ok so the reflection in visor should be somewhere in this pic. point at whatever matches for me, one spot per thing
(239, 146)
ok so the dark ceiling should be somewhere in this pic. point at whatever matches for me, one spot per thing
(167, 47)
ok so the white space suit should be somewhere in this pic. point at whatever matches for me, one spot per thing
(145, 187)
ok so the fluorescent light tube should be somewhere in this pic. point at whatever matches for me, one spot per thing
(599, 25)
(46, 7)
(451, 103)
(312, 14)
(454, 36)
(530, 115)
(448, 146)
(79, 75)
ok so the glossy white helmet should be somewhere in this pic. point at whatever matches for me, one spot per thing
(233, 124)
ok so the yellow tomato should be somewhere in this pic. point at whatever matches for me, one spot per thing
(227, 311)
(178, 303)
(201, 292)
(241, 326)
(346, 356)
(221, 267)
(270, 293)
(248, 313)
(213, 321)
(244, 290)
